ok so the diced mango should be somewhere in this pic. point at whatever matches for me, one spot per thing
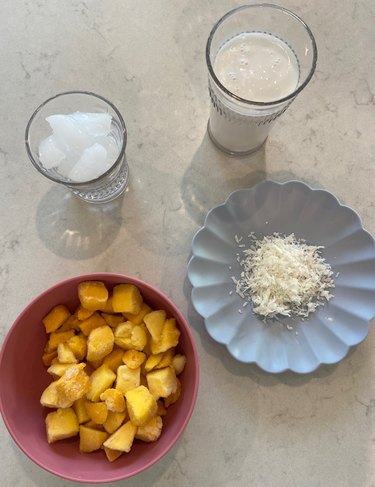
(95, 321)
(122, 439)
(133, 358)
(65, 354)
(129, 336)
(83, 313)
(51, 399)
(91, 439)
(80, 410)
(137, 319)
(97, 411)
(141, 405)
(151, 430)
(114, 421)
(58, 369)
(166, 359)
(48, 357)
(152, 361)
(61, 424)
(108, 308)
(155, 322)
(162, 382)
(114, 400)
(78, 345)
(127, 379)
(112, 320)
(169, 337)
(57, 337)
(100, 343)
(126, 299)
(112, 455)
(161, 408)
(93, 295)
(74, 383)
(174, 396)
(178, 363)
(114, 359)
(70, 324)
(55, 318)
(100, 380)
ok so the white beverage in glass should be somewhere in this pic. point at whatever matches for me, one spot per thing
(259, 57)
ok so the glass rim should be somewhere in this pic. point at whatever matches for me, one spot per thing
(251, 102)
(75, 184)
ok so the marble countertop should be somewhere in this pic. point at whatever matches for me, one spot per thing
(249, 427)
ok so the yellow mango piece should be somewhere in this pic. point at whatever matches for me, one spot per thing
(100, 380)
(127, 378)
(61, 424)
(174, 396)
(94, 426)
(151, 430)
(161, 408)
(97, 411)
(169, 337)
(100, 343)
(51, 399)
(93, 295)
(137, 319)
(152, 361)
(108, 308)
(133, 358)
(112, 320)
(47, 357)
(114, 400)
(82, 313)
(57, 337)
(155, 322)
(114, 359)
(112, 455)
(166, 359)
(55, 318)
(74, 384)
(122, 439)
(114, 421)
(78, 345)
(126, 299)
(141, 405)
(95, 321)
(70, 324)
(65, 355)
(129, 336)
(58, 369)
(178, 363)
(162, 382)
(80, 410)
(91, 439)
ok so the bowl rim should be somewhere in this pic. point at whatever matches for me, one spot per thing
(181, 319)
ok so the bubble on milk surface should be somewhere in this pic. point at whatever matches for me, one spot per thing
(81, 147)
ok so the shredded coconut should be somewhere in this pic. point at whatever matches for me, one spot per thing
(284, 276)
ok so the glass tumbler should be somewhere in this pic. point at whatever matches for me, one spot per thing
(237, 125)
(101, 188)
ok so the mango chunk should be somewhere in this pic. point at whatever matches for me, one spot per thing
(127, 378)
(80, 410)
(114, 421)
(97, 411)
(91, 439)
(141, 405)
(48, 357)
(112, 455)
(58, 369)
(114, 400)
(174, 396)
(94, 321)
(51, 399)
(122, 439)
(155, 322)
(114, 359)
(151, 430)
(78, 345)
(74, 383)
(126, 299)
(70, 324)
(162, 382)
(137, 319)
(57, 337)
(65, 354)
(112, 320)
(152, 361)
(178, 363)
(82, 313)
(99, 381)
(61, 424)
(100, 343)
(55, 318)
(129, 336)
(93, 295)
(169, 337)
(133, 358)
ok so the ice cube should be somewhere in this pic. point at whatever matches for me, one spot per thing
(66, 165)
(93, 124)
(68, 133)
(49, 153)
(109, 143)
(91, 164)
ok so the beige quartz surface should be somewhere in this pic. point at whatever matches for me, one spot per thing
(147, 56)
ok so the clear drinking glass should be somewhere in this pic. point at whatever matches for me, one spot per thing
(114, 180)
(237, 125)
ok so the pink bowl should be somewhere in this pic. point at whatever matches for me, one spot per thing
(23, 377)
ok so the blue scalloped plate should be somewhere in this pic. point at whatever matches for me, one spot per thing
(314, 215)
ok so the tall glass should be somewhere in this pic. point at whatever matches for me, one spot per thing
(103, 188)
(239, 126)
